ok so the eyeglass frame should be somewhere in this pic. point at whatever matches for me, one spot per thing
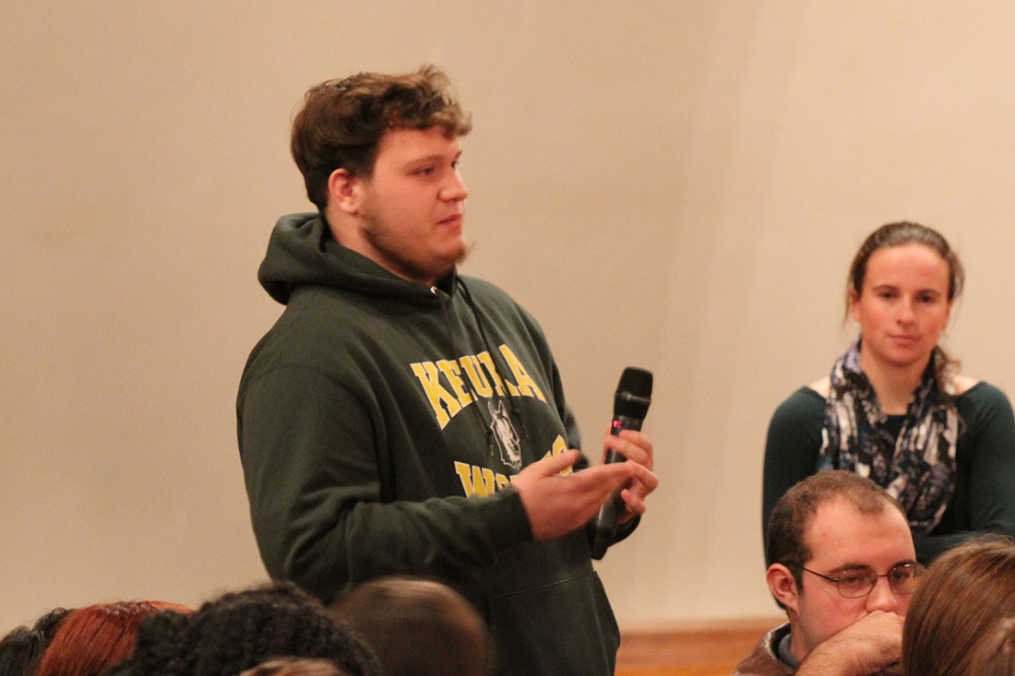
(918, 570)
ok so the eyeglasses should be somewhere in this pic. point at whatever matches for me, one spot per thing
(856, 583)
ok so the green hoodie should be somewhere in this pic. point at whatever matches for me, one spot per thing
(380, 422)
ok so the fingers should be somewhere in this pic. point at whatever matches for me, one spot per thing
(603, 479)
(645, 476)
(556, 503)
(588, 490)
(633, 445)
(644, 483)
(555, 464)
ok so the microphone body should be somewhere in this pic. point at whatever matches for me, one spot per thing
(630, 404)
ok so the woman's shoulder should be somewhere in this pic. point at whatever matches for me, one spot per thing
(822, 387)
(795, 428)
(964, 383)
(806, 403)
(978, 394)
(988, 417)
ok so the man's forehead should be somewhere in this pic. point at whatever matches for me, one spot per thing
(406, 136)
(839, 534)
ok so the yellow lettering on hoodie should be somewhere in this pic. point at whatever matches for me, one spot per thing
(475, 372)
(498, 382)
(454, 375)
(559, 446)
(526, 385)
(479, 482)
(426, 373)
(451, 385)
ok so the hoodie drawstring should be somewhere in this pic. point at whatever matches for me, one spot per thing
(467, 295)
(486, 424)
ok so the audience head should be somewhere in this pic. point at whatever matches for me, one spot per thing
(241, 630)
(90, 639)
(994, 654)
(904, 261)
(295, 666)
(342, 121)
(902, 234)
(22, 648)
(965, 593)
(838, 548)
(418, 627)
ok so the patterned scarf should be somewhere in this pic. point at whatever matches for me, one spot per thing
(918, 467)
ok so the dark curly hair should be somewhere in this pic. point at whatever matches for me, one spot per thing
(239, 631)
(22, 648)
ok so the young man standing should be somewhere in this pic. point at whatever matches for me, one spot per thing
(401, 418)
(842, 564)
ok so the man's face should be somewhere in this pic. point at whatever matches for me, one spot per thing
(411, 210)
(840, 537)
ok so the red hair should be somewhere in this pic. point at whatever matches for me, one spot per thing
(96, 637)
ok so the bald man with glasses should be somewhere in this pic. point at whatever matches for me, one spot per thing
(842, 565)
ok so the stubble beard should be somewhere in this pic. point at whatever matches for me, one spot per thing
(385, 242)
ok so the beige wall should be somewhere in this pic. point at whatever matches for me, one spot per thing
(677, 185)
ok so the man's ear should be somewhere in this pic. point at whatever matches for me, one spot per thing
(783, 585)
(346, 191)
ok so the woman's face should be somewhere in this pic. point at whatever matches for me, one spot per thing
(903, 305)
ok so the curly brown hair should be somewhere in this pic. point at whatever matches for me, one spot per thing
(341, 123)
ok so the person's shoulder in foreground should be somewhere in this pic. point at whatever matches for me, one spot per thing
(841, 563)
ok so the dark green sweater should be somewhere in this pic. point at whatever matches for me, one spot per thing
(380, 422)
(984, 497)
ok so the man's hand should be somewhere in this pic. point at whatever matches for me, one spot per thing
(872, 645)
(636, 447)
(556, 503)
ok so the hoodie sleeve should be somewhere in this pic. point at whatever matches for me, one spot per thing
(311, 472)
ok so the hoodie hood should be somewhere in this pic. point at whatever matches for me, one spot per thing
(302, 252)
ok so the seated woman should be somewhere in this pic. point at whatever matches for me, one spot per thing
(960, 599)
(893, 408)
(90, 639)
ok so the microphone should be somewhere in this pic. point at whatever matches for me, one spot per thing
(630, 404)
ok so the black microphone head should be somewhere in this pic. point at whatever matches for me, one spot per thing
(634, 393)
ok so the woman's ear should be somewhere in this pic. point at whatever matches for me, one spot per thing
(854, 305)
(783, 585)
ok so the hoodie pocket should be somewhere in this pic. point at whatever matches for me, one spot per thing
(559, 629)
